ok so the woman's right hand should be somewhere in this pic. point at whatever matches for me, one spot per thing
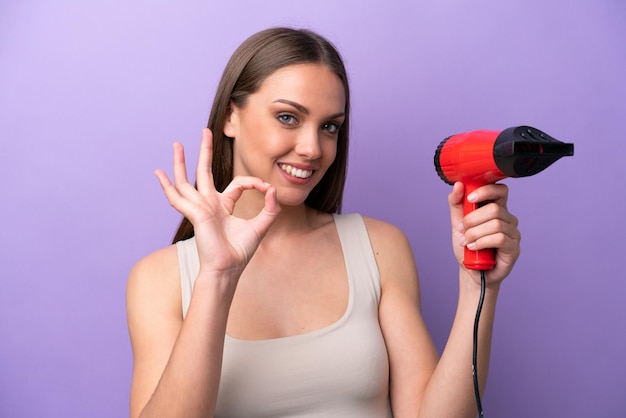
(225, 243)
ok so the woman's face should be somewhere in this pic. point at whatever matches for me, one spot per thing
(286, 133)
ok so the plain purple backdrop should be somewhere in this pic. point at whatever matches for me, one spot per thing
(92, 94)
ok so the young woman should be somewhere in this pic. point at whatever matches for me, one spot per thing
(270, 303)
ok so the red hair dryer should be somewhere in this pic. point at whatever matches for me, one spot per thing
(482, 157)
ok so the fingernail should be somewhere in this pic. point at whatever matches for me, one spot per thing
(471, 245)
(472, 197)
(462, 240)
(460, 227)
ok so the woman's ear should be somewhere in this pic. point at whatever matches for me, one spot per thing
(231, 124)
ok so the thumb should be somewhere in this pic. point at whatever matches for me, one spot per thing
(455, 200)
(268, 214)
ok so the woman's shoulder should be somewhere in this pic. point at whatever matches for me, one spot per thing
(391, 247)
(155, 277)
(159, 262)
(383, 232)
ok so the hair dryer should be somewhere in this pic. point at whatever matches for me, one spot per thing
(482, 157)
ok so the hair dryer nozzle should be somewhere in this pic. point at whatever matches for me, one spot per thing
(524, 151)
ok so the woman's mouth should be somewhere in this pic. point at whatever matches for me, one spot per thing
(296, 172)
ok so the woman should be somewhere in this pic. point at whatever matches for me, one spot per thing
(270, 303)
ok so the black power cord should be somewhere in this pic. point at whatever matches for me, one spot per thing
(481, 299)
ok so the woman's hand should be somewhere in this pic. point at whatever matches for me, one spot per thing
(225, 243)
(490, 226)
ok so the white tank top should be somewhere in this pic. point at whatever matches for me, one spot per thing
(340, 370)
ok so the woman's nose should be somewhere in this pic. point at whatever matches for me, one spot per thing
(308, 144)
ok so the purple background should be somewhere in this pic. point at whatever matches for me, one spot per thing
(92, 94)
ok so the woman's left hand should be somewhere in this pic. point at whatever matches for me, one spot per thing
(489, 226)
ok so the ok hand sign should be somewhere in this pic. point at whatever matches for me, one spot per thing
(225, 243)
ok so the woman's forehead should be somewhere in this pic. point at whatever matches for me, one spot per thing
(305, 82)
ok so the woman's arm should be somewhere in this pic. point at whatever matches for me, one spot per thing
(421, 385)
(178, 362)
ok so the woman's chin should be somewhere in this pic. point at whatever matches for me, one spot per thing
(291, 198)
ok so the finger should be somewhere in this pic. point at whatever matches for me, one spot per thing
(164, 181)
(204, 173)
(268, 214)
(172, 194)
(180, 168)
(492, 228)
(488, 212)
(240, 183)
(503, 243)
(497, 192)
(455, 200)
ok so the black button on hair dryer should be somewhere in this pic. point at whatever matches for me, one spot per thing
(483, 157)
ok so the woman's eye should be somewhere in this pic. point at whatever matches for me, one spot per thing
(287, 119)
(331, 127)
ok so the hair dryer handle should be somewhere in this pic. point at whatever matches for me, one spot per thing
(481, 259)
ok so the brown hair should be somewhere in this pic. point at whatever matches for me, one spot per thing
(256, 58)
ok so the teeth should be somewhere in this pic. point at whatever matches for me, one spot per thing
(296, 172)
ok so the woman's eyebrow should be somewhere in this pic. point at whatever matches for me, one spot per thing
(298, 106)
(304, 110)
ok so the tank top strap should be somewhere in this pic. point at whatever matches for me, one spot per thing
(189, 265)
(358, 255)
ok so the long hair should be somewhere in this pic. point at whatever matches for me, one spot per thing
(256, 58)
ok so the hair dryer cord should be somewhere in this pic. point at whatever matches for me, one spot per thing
(475, 345)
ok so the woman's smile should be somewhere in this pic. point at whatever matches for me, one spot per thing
(296, 172)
